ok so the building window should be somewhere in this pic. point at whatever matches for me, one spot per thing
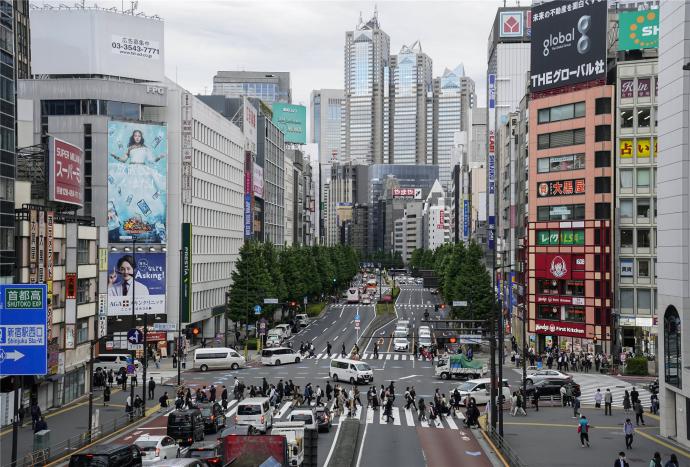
(672, 347)
(602, 133)
(626, 178)
(626, 238)
(549, 312)
(602, 185)
(643, 117)
(562, 112)
(602, 159)
(560, 139)
(643, 268)
(575, 288)
(575, 314)
(627, 299)
(626, 209)
(627, 118)
(643, 238)
(548, 287)
(561, 163)
(561, 212)
(602, 210)
(82, 251)
(643, 178)
(82, 331)
(83, 291)
(643, 209)
(602, 106)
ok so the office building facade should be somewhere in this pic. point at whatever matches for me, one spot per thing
(269, 86)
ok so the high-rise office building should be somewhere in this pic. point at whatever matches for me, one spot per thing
(269, 86)
(367, 57)
(325, 106)
(411, 80)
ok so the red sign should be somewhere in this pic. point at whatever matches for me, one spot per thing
(70, 286)
(560, 300)
(561, 188)
(65, 178)
(560, 266)
(156, 336)
(560, 328)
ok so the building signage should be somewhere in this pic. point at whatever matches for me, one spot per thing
(408, 193)
(625, 149)
(466, 219)
(627, 88)
(137, 182)
(441, 220)
(292, 121)
(491, 157)
(249, 118)
(155, 336)
(248, 195)
(561, 188)
(560, 237)
(258, 181)
(559, 328)
(102, 315)
(638, 30)
(186, 274)
(560, 300)
(627, 267)
(138, 278)
(187, 121)
(511, 24)
(568, 43)
(65, 183)
(71, 286)
(560, 266)
(644, 87)
(644, 146)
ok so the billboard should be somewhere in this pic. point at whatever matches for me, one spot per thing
(560, 266)
(65, 183)
(96, 42)
(143, 283)
(575, 186)
(638, 30)
(248, 194)
(568, 43)
(249, 114)
(258, 181)
(560, 328)
(511, 24)
(292, 121)
(137, 182)
(407, 193)
(491, 172)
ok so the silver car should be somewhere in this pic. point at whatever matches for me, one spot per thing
(541, 375)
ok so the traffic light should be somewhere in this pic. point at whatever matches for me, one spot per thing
(293, 304)
(195, 331)
(443, 306)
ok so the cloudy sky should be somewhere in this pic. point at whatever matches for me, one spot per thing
(306, 38)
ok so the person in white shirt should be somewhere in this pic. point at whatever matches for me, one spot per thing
(597, 399)
(126, 283)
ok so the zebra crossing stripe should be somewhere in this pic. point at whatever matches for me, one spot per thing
(283, 410)
(396, 416)
(451, 423)
(388, 357)
(437, 422)
(424, 423)
(409, 418)
(395, 357)
(366, 356)
(318, 357)
(370, 415)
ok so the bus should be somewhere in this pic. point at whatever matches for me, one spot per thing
(353, 295)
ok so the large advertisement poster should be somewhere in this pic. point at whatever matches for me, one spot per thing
(292, 121)
(568, 43)
(638, 30)
(139, 277)
(137, 182)
(65, 181)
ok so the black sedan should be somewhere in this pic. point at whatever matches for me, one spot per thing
(551, 387)
(213, 415)
(324, 418)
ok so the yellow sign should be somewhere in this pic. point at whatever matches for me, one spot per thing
(656, 151)
(102, 259)
(644, 146)
(625, 149)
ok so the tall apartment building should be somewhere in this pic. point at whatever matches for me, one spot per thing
(411, 82)
(673, 223)
(367, 58)
(269, 86)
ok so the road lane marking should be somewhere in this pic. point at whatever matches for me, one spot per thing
(361, 446)
(370, 415)
(336, 338)
(395, 357)
(451, 423)
(396, 416)
(318, 357)
(334, 321)
(335, 438)
(408, 377)
(388, 356)
(424, 423)
(437, 422)
(409, 418)
(283, 410)
(344, 329)
(341, 312)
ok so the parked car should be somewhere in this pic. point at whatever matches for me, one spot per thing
(213, 415)
(108, 455)
(208, 451)
(324, 418)
(156, 448)
(273, 341)
(547, 374)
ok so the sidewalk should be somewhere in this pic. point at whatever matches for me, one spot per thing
(72, 420)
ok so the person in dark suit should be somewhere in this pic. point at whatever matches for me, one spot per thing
(621, 461)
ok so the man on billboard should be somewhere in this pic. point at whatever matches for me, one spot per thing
(137, 188)
(122, 286)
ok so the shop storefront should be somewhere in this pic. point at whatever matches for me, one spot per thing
(565, 336)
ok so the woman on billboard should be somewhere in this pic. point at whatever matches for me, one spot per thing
(139, 184)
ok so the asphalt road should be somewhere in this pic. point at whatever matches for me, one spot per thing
(405, 440)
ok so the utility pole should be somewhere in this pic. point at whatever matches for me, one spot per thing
(15, 420)
(524, 354)
(133, 324)
(146, 364)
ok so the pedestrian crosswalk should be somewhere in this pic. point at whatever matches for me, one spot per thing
(370, 356)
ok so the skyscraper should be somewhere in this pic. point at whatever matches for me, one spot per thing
(269, 86)
(325, 108)
(367, 56)
(411, 75)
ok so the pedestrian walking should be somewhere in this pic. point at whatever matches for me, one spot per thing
(389, 410)
(422, 410)
(328, 349)
(415, 350)
(634, 395)
(583, 430)
(621, 461)
(35, 413)
(654, 403)
(576, 407)
(174, 357)
(329, 391)
(376, 350)
(626, 402)
(535, 399)
(128, 407)
(672, 461)
(608, 401)
(111, 377)
(40, 425)
(656, 460)
(152, 388)
(628, 431)
(319, 395)
(106, 396)
(598, 397)
(564, 399)
(639, 412)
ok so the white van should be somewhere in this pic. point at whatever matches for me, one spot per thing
(256, 412)
(276, 332)
(354, 371)
(113, 361)
(287, 332)
(216, 358)
(302, 320)
(279, 355)
(479, 390)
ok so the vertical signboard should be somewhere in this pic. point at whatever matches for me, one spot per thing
(248, 194)
(65, 181)
(491, 172)
(102, 315)
(249, 116)
(186, 274)
(137, 182)
(33, 246)
(50, 266)
(187, 122)
(466, 219)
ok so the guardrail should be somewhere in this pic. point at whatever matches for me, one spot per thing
(72, 444)
(510, 455)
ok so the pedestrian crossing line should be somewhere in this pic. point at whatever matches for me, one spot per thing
(318, 357)
(451, 423)
(424, 423)
(409, 418)
(370, 415)
(388, 357)
(366, 355)
(284, 409)
(395, 357)
(437, 422)
(358, 412)
(396, 415)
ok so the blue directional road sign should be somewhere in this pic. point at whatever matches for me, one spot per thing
(135, 336)
(23, 333)
(257, 310)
